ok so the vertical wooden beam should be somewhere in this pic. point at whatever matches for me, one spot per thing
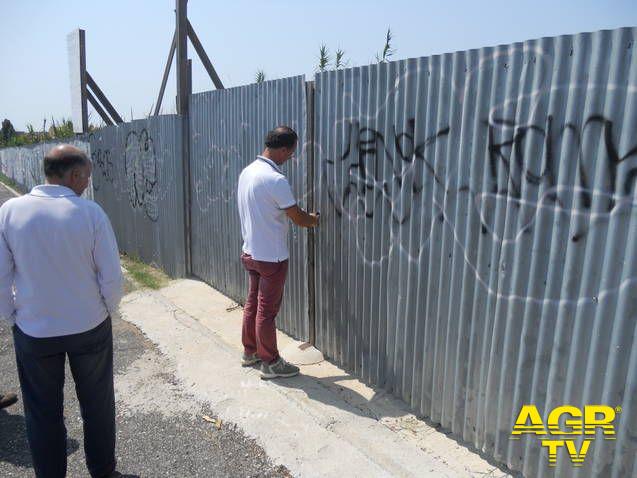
(181, 32)
(184, 87)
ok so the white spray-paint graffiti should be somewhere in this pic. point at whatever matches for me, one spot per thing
(406, 176)
(216, 180)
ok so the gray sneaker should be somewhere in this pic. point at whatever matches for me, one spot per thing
(280, 368)
(247, 360)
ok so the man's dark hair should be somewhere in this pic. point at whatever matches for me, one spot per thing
(58, 166)
(281, 137)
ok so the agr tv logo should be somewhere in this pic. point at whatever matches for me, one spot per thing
(575, 423)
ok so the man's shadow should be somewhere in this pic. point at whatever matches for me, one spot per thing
(14, 447)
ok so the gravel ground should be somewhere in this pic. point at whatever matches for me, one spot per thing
(160, 431)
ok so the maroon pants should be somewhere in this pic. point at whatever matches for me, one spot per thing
(265, 293)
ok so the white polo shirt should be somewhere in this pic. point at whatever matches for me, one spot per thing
(263, 194)
(59, 266)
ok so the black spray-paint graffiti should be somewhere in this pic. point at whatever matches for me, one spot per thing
(103, 172)
(585, 145)
(140, 168)
(370, 154)
(549, 136)
(382, 175)
(377, 174)
(133, 174)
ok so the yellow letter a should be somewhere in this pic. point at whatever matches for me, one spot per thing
(529, 412)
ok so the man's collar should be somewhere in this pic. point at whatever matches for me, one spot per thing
(52, 191)
(270, 162)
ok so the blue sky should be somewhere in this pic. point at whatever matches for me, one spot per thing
(128, 41)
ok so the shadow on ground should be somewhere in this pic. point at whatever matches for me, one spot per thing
(381, 405)
(14, 447)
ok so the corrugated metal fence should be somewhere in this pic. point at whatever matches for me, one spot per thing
(227, 129)
(136, 179)
(24, 164)
(478, 247)
(478, 240)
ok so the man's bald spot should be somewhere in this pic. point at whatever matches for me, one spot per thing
(62, 150)
(62, 158)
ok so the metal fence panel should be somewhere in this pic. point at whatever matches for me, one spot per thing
(227, 130)
(137, 180)
(478, 246)
(23, 164)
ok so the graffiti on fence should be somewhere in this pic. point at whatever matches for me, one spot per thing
(103, 172)
(140, 168)
(401, 179)
(566, 143)
(218, 177)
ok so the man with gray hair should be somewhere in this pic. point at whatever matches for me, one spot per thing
(60, 282)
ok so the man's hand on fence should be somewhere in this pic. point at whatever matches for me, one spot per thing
(302, 218)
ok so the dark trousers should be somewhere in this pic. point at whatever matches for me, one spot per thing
(265, 293)
(41, 372)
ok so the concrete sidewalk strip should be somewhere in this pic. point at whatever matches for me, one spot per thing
(321, 423)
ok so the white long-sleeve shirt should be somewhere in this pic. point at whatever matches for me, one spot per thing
(59, 264)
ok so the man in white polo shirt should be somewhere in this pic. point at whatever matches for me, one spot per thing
(60, 281)
(266, 204)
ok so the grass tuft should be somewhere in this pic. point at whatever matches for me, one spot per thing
(144, 274)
